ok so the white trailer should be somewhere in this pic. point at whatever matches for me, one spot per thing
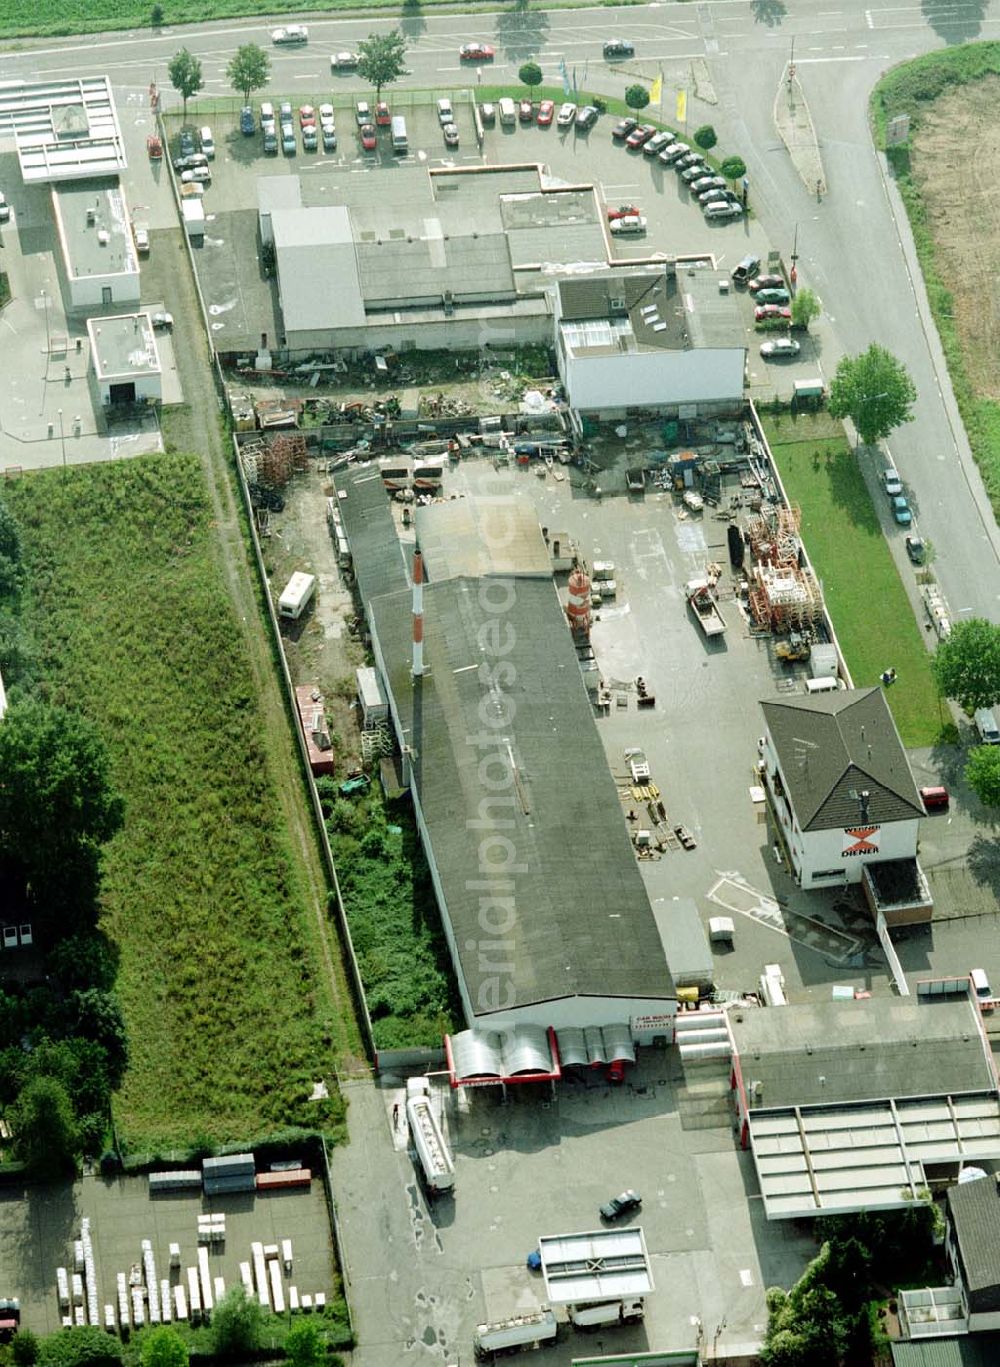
(435, 1158)
(520, 1331)
(296, 595)
(193, 212)
(588, 1314)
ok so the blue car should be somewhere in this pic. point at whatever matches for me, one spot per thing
(901, 510)
(247, 126)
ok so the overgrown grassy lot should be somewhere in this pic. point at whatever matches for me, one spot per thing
(864, 593)
(229, 1016)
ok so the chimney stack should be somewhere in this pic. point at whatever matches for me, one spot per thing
(418, 613)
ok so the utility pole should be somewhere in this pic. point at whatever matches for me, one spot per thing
(62, 440)
(793, 274)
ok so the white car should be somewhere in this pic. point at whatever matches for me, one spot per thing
(445, 112)
(4, 209)
(630, 223)
(291, 33)
(325, 115)
(141, 234)
(197, 173)
(891, 482)
(566, 116)
(779, 348)
(344, 61)
(363, 112)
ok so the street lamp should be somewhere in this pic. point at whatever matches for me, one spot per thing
(45, 304)
(62, 439)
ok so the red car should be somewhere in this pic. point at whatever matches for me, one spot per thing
(624, 211)
(546, 113)
(307, 116)
(526, 111)
(766, 312)
(476, 52)
(369, 140)
(640, 135)
(767, 282)
(382, 116)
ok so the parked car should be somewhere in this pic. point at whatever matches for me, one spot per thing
(586, 117)
(766, 282)
(716, 196)
(344, 61)
(450, 131)
(916, 549)
(266, 112)
(139, 232)
(722, 211)
(694, 170)
(901, 510)
(188, 163)
(154, 147)
(329, 134)
(445, 112)
(935, 798)
(891, 482)
(629, 225)
(185, 142)
(288, 139)
(687, 159)
(623, 128)
(566, 116)
(326, 118)
(525, 111)
(639, 135)
(162, 320)
(773, 296)
(476, 52)
(621, 1205)
(656, 143)
(193, 191)
(270, 141)
(290, 34)
(615, 48)
(383, 116)
(745, 270)
(310, 138)
(673, 151)
(369, 137)
(362, 112)
(285, 111)
(623, 211)
(488, 114)
(766, 313)
(546, 113)
(200, 173)
(248, 125)
(707, 182)
(781, 348)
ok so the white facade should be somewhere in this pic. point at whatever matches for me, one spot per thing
(126, 359)
(828, 858)
(100, 263)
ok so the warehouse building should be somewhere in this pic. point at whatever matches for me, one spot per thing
(543, 905)
(858, 1105)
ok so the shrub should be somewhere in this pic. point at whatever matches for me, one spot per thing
(705, 136)
(637, 97)
(734, 168)
(236, 1324)
(81, 1346)
(530, 74)
(24, 1349)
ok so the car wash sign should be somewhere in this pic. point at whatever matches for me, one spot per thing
(860, 840)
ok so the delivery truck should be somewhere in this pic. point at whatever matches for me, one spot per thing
(435, 1159)
(520, 1331)
(591, 1314)
(194, 219)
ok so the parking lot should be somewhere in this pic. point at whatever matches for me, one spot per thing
(39, 1224)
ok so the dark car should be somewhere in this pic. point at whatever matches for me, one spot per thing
(772, 296)
(247, 123)
(640, 135)
(619, 47)
(621, 1205)
(185, 142)
(586, 117)
(916, 549)
(623, 128)
(688, 159)
(526, 111)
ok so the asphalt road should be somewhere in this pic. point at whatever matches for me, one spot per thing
(852, 246)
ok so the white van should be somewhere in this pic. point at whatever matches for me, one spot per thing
(981, 984)
(986, 725)
(207, 142)
(508, 112)
(296, 595)
(826, 685)
(399, 139)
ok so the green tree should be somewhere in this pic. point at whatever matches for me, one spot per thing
(184, 70)
(163, 1347)
(98, 1017)
(966, 664)
(805, 308)
(382, 59)
(874, 390)
(84, 1345)
(24, 1348)
(236, 1324)
(304, 1345)
(156, 16)
(248, 70)
(637, 97)
(982, 773)
(56, 799)
(44, 1128)
(734, 168)
(705, 136)
(530, 74)
(10, 552)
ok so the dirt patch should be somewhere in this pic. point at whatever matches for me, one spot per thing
(958, 141)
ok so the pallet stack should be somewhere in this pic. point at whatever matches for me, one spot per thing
(230, 1173)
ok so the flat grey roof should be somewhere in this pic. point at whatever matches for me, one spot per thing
(479, 536)
(432, 260)
(825, 1052)
(596, 1266)
(124, 346)
(318, 276)
(576, 920)
(63, 129)
(713, 315)
(101, 245)
(832, 747)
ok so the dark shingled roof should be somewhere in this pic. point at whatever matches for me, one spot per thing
(579, 920)
(975, 1216)
(833, 746)
(970, 1350)
(379, 566)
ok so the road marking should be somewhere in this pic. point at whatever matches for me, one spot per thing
(816, 61)
(868, 18)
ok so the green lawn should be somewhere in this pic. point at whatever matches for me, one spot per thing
(864, 594)
(229, 1013)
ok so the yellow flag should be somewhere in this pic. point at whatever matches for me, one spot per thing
(656, 91)
(682, 106)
